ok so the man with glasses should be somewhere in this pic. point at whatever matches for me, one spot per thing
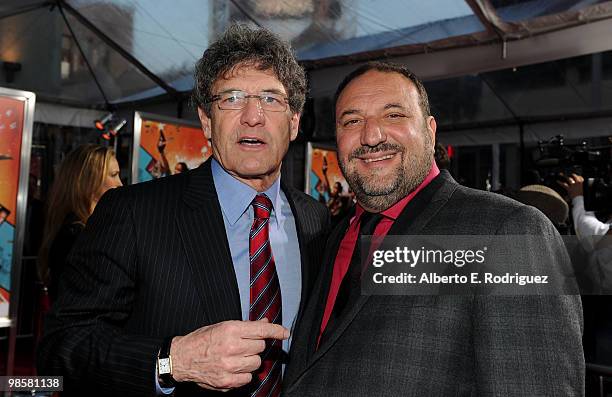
(190, 284)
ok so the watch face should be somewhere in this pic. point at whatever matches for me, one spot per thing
(164, 366)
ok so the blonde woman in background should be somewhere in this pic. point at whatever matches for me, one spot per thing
(82, 178)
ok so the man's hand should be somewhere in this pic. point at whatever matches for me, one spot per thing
(222, 356)
(572, 184)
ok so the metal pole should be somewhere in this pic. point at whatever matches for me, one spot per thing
(522, 140)
(179, 109)
(76, 41)
(495, 160)
(20, 218)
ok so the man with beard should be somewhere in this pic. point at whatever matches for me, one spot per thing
(349, 344)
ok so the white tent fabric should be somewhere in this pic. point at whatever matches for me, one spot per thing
(50, 113)
(99, 52)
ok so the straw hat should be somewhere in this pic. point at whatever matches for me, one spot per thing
(546, 200)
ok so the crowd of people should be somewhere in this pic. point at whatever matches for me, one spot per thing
(223, 279)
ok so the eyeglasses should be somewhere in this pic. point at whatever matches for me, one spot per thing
(237, 100)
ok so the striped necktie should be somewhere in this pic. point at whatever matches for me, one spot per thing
(265, 297)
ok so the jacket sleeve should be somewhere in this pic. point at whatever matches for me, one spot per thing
(84, 338)
(530, 345)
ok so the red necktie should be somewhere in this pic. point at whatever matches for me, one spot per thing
(265, 297)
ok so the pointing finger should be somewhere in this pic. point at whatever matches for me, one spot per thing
(263, 330)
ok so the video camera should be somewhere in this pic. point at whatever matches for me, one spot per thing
(594, 163)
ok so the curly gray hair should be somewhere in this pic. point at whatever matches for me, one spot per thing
(243, 45)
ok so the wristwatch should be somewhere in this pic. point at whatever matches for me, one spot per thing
(164, 365)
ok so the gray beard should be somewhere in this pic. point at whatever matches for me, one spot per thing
(406, 177)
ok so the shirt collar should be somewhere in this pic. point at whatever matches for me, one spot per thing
(396, 209)
(235, 197)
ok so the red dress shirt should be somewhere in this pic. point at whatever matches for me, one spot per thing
(345, 251)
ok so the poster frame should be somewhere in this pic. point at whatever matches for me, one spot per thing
(138, 118)
(29, 100)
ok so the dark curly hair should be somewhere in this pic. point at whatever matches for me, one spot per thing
(243, 45)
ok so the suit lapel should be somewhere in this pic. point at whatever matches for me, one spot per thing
(308, 326)
(325, 282)
(424, 206)
(298, 211)
(413, 219)
(202, 230)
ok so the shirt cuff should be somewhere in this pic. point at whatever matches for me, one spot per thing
(161, 391)
(578, 200)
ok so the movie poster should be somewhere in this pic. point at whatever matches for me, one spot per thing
(16, 117)
(166, 146)
(324, 180)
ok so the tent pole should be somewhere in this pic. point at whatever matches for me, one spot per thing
(516, 118)
(246, 14)
(522, 143)
(113, 44)
(179, 109)
(76, 41)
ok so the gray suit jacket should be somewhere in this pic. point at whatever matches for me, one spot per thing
(444, 345)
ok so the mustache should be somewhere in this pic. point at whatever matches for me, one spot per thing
(383, 147)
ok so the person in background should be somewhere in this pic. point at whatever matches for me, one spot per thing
(546, 200)
(441, 156)
(594, 259)
(588, 228)
(82, 178)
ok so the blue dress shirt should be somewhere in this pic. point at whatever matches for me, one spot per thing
(235, 199)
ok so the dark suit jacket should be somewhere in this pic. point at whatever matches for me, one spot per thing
(443, 345)
(153, 261)
(59, 250)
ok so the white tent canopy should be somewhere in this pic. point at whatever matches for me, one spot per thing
(487, 63)
(101, 52)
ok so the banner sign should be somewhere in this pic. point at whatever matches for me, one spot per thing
(165, 146)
